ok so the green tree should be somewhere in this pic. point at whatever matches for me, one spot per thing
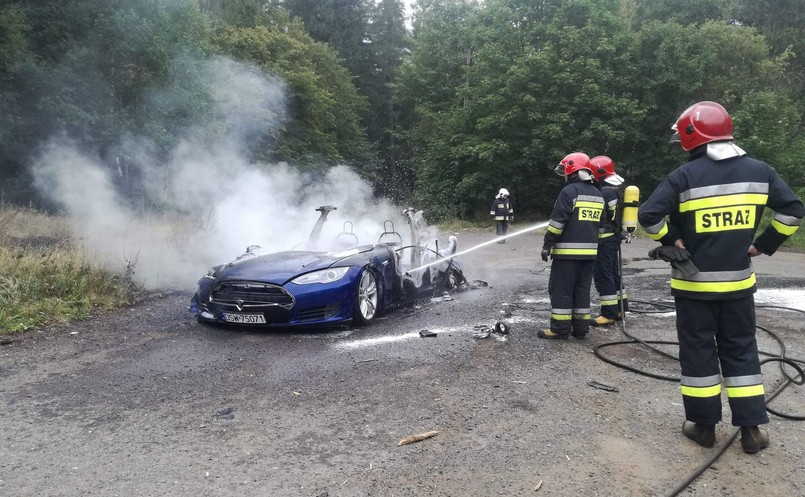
(679, 11)
(98, 64)
(15, 57)
(510, 90)
(389, 41)
(324, 109)
(680, 65)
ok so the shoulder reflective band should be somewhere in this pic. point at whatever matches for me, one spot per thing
(723, 201)
(703, 192)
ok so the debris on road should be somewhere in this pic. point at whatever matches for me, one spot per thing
(481, 331)
(538, 486)
(417, 438)
(503, 327)
(602, 386)
(427, 333)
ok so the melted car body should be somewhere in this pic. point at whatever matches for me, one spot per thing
(315, 288)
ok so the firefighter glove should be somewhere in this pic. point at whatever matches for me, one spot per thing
(546, 252)
(679, 258)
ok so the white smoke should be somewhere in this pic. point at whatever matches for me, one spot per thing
(228, 202)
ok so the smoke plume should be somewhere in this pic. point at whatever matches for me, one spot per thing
(214, 201)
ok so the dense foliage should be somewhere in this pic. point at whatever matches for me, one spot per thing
(471, 97)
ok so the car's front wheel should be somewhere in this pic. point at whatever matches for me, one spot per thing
(367, 298)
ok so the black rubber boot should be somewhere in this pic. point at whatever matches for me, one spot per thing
(754, 439)
(704, 435)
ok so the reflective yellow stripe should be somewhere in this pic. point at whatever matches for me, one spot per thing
(701, 391)
(750, 391)
(783, 228)
(559, 251)
(604, 235)
(713, 286)
(663, 231)
(590, 205)
(608, 302)
(561, 317)
(556, 231)
(723, 201)
(581, 316)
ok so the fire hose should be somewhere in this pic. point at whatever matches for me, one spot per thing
(770, 357)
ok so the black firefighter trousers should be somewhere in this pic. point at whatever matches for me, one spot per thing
(713, 333)
(569, 289)
(607, 277)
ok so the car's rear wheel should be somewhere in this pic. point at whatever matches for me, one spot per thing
(367, 298)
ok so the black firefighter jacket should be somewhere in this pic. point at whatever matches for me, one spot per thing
(715, 207)
(577, 215)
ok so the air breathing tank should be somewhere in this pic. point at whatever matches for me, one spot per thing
(631, 201)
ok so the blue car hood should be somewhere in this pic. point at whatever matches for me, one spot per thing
(280, 267)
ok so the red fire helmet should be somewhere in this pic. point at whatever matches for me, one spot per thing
(574, 162)
(701, 123)
(604, 170)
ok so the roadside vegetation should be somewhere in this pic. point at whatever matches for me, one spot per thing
(44, 279)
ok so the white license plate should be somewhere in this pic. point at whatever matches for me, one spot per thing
(232, 317)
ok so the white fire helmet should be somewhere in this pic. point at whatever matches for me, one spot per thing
(503, 192)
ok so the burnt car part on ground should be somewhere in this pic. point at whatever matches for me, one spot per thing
(352, 283)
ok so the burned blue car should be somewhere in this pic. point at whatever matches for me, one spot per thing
(353, 282)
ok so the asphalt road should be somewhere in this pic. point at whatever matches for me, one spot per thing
(148, 402)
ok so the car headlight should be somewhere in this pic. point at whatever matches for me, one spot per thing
(323, 276)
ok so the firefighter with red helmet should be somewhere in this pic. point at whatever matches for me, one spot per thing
(571, 241)
(606, 271)
(706, 214)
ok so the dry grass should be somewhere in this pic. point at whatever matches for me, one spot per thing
(44, 279)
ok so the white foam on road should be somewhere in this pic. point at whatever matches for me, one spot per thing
(783, 297)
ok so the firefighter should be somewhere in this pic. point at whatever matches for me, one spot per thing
(606, 271)
(502, 212)
(714, 204)
(571, 241)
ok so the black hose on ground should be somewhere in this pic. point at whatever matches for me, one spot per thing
(798, 380)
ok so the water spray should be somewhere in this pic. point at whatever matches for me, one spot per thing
(484, 244)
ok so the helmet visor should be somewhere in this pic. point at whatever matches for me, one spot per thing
(560, 170)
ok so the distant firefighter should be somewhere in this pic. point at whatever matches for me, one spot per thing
(502, 212)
